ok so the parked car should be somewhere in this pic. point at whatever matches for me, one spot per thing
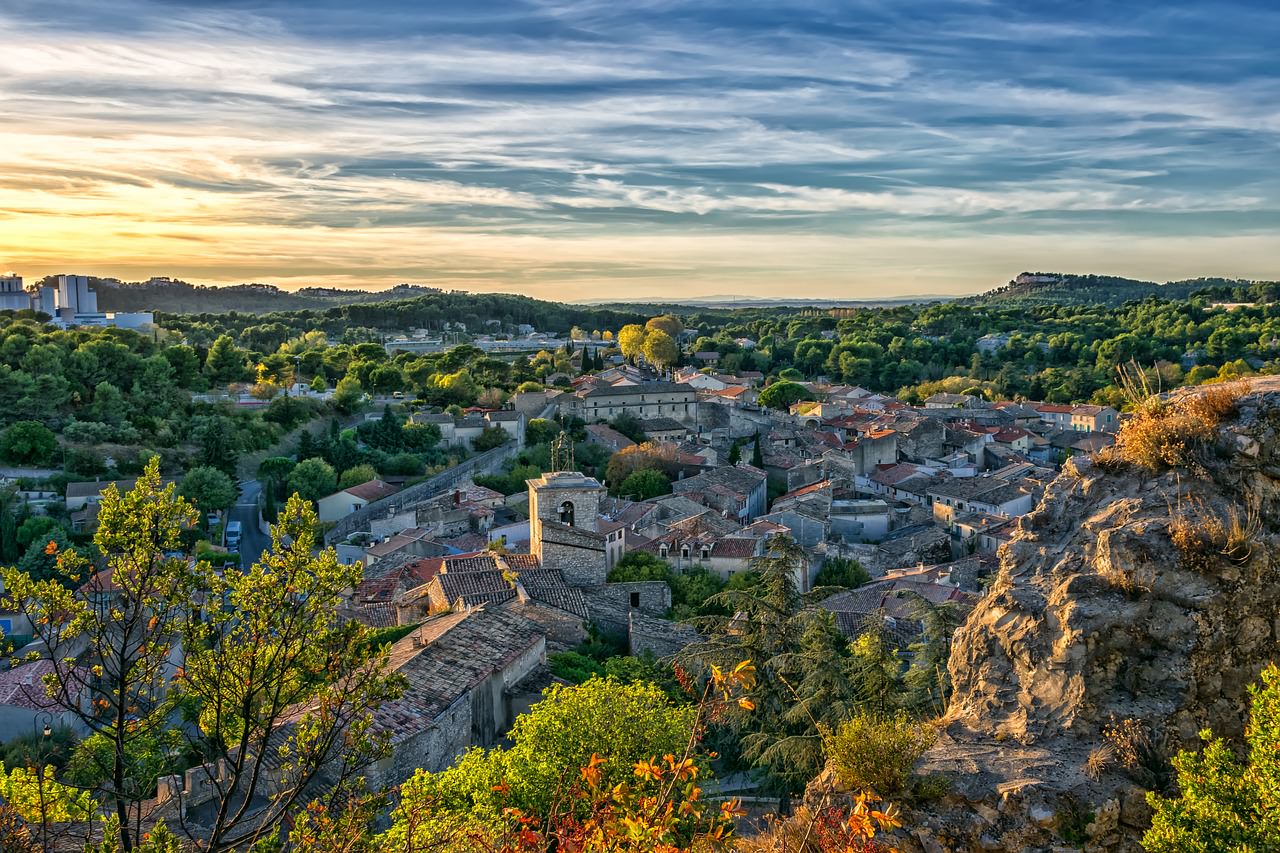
(233, 536)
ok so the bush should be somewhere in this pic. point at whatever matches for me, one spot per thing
(1225, 803)
(490, 438)
(1166, 434)
(877, 754)
(28, 443)
(573, 667)
(842, 571)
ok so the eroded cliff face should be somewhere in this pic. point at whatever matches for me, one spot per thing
(1127, 595)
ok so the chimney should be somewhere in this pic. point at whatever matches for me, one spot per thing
(457, 497)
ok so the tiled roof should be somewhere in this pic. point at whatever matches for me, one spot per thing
(548, 586)
(475, 588)
(735, 548)
(643, 388)
(23, 686)
(447, 657)
(374, 490)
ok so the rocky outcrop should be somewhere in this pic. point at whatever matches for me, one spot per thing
(1126, 595)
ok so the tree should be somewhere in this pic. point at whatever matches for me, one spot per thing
(318, 385)
(645, 484)
(313, 479)
(660, 349)
(805, 672)
(1226, 804)
(630, 426)
(735, 453)
(273, 473)
(28, 443)
(348, 394)
(640, 457)
(782, 395)
(219, 442)
(601, 722)
(110, 650)
(226, 363)
(668, 324)
(640, 566)
(208, 488)
(541, 431)
(356, 475)
(489, 438)
(631, 340)
(841, 571)
(285, 688)
(757, 454)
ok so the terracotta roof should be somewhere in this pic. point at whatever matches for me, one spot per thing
(23, 686)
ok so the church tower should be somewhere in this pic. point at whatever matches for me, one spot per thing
(564, 507)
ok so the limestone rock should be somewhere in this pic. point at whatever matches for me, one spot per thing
(1097, 615)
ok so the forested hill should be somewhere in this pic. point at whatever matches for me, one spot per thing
(476, 311)
(179, 297)
(1073, 289)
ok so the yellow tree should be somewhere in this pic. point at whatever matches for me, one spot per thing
(631, 340)
(660, 349)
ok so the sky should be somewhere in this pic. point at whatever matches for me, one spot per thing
(646, 149)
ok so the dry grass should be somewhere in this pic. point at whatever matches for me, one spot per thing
(1100, 758)
(1164, 434)
(1201, 534)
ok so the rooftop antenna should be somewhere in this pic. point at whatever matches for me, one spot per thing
(562, 452)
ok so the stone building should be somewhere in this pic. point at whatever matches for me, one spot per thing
(564, 511)
(464, 672)
(646, 400)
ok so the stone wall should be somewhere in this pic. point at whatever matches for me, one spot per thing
(657, 637)
(652, 597)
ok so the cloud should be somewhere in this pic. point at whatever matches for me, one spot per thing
(538, 142)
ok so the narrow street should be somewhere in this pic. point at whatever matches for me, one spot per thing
(252, 541)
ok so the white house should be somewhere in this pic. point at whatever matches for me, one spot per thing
(341, 504)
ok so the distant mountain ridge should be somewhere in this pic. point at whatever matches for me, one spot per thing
(174, 296)
(1080, 289)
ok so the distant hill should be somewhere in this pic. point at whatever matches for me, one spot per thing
(1073, 289)
(173, 296)
(739, 302)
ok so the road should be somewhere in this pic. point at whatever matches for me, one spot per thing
(252, 540)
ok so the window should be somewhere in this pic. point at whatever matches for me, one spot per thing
(706, 553)
(635, 599)
(663, 551)
(684, 551)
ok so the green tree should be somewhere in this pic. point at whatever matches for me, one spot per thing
(348, 395)
(841, 571)
(1225, 803)
(226, 363)
(273, 473)
(39, 529)
(645, 484)
(219, 442)
(313, 479)
(541, 431)
(208, 489)
(782, 395)
(126, 626)
(641, 566)
(356, 475)
(271, 649)
(757, 454)
(28, 443)
(489, 438)
(621, 723)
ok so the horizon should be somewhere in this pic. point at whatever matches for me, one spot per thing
(666, 151)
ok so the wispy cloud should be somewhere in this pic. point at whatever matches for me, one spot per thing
(561, 145)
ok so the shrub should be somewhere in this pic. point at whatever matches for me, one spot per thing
(877, 754)
(1175, 433)
(1225, 803)
(573, 667)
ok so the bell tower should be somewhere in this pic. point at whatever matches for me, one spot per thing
(564, 507)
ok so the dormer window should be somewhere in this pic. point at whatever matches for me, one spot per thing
(663, 551)
(706, 553)
(684, 551)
